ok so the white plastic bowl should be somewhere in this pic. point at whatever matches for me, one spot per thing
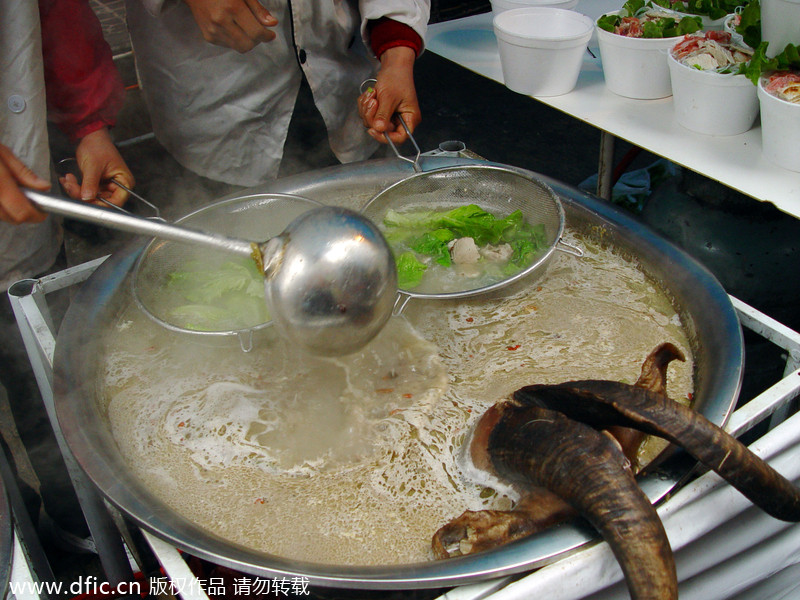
(712, 103)
(780, 24)
(499, 6)
(780, 130)
(541, 49)
(636, 67)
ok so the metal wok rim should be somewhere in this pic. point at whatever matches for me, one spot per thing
(540, 262)
(95, 450)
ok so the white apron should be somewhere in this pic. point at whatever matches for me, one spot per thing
(225, 115)
(29, 249)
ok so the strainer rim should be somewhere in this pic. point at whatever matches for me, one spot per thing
(503, 282)
(222, 333)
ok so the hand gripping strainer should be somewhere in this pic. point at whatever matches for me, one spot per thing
(498, 190)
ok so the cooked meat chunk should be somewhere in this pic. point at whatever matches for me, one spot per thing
(464, 251)
(499, 253)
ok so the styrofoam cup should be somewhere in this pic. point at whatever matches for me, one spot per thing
(636, 67)
(499, 6)
(780, 130)
(541, 49)
(780, 24)
(712, 103)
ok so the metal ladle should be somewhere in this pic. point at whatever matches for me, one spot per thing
(329, 277)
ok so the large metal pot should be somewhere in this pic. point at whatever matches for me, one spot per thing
(705, 308)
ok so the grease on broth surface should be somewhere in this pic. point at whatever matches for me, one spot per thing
(357, 460)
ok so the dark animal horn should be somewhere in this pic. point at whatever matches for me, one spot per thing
(476, 531)
(606, 403)
(654, 370)
(584, 467)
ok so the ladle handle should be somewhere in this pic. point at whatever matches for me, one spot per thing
(83, 211)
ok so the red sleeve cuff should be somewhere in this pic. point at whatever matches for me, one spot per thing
(84, 89)
(387, 33)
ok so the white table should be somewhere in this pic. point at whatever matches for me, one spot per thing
(735, 161)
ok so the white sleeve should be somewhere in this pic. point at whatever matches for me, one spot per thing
(414, 13)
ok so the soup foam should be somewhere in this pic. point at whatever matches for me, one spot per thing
(356, 460)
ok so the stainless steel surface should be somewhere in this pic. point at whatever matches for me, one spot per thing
(705, 308)
(330, 278)
(332, 281)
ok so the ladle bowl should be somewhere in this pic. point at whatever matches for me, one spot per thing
(331, 281)
(330, 278)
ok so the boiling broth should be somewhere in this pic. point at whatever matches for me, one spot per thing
(356, 460)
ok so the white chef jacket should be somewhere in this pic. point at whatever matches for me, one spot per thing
(225, 115)
(29, 249)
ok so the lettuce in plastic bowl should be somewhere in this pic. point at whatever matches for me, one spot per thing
(643, 19)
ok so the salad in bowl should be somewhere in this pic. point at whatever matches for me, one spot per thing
(712, 96)
(717, 51)
(634, 42)
(784, 85)
(644, 19)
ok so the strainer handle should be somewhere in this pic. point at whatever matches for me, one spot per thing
(140, 198)
(414, 161)
(569, 248)
(400, 303)
(67, 165)
(105, 217)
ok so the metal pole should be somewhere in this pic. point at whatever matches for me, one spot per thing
(27, 300)
(605, 167)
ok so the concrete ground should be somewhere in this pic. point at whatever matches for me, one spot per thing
(457, 105)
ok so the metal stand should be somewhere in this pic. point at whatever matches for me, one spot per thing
(38, 333)
(26, 558)
(724, 547)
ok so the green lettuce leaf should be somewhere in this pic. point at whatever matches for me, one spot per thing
(409, 270)
(788, 59)
(749, 26)
(714, 9)
(203, 284)
(427, 233)
(662, 28)
(434, 244)
(216, 297)
(198, 317)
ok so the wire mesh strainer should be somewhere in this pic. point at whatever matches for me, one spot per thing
(496, 189)
(204, 292)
